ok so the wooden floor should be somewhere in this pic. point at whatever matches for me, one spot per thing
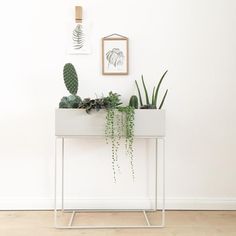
(178, 223)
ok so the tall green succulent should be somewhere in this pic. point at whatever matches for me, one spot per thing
(71, 83)
(70, 78)
(155, 91)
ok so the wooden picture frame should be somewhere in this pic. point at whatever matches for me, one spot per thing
(115, 55)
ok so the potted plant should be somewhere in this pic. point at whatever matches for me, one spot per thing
(113, 120)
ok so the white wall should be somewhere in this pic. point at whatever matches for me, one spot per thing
(194, 39)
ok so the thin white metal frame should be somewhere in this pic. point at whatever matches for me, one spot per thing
(74, 212)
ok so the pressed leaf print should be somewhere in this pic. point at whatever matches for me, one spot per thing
(78, 37)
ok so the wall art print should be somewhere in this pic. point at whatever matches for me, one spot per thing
(79, 40)
(115, 56)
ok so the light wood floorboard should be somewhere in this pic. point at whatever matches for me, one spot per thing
(178, 223)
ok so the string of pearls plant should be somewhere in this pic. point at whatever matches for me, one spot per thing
(120, 122)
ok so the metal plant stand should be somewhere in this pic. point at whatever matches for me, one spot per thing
(70, 224)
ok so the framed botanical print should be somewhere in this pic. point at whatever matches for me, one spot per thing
(115, 55)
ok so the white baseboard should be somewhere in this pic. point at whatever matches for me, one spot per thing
(201, 203)
(171, 204)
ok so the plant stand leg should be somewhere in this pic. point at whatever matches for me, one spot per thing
(146, 218)
(156, 163)
(55, 179)
(163, 184)
(75, 212)
(62, 173)
(55, 184)
(71, 219)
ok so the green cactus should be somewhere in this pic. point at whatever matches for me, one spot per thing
(133, 102)
(70, 78)
(71, 83)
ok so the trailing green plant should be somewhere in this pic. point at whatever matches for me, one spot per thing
(120, 121)
(115, 137)
(154, 98)
(133, 102)
(129, 113)
(71, 83)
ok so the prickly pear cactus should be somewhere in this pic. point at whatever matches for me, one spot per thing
(70, 78)
(133, 102)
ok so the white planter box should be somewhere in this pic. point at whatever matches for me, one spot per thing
(76, 122)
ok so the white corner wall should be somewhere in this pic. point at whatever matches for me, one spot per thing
(194, 39)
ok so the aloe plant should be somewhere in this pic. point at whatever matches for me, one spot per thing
(154, 98)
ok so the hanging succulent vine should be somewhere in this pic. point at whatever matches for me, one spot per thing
(109, 132)
(120, 121)
(129, 134)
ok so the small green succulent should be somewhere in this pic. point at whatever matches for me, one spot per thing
(71, 101)
(133, 102)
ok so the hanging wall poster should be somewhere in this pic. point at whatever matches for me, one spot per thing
(79, 38)
(115, 56)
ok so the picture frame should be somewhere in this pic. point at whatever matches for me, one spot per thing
(115, 55)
